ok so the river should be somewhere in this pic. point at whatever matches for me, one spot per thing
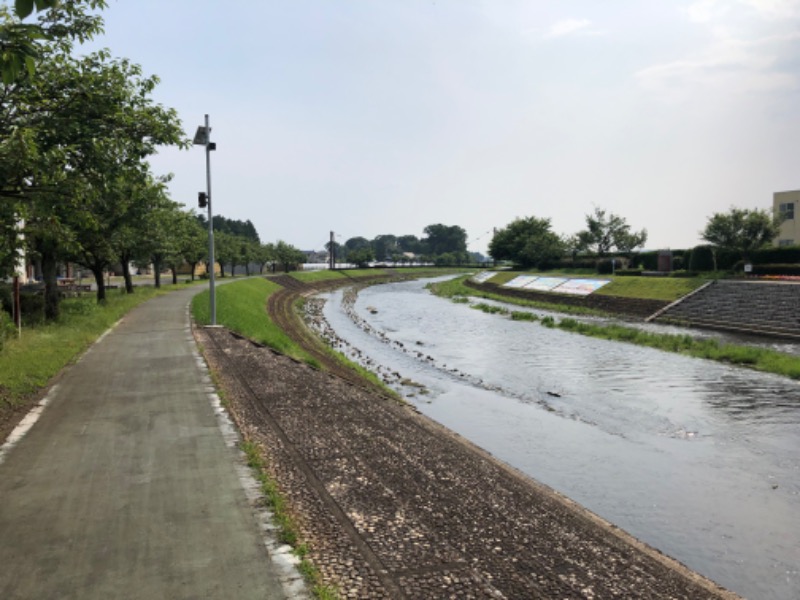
(698, 459)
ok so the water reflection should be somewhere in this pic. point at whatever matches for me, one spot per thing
(698, 459)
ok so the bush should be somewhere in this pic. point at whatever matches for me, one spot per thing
(776, 256)
(7, 328)
(605, 267)
(702, 258)
(6, 298)
(684, 274)
(776, 269)
(629, 272)
(649, 260)
(31, 306)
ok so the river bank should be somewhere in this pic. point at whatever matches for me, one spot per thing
(393, 505)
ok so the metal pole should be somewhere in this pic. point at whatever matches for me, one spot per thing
(211, 261)
(333, 252)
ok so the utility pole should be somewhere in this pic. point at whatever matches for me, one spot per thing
(333, 252)
(203, 138)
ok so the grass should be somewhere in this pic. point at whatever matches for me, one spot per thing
(760, 359)
(651, 288)
(27, 364)
(241, 307)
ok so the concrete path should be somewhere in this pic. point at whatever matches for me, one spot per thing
(125, 487)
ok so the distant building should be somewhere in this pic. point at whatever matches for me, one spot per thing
(787, 206)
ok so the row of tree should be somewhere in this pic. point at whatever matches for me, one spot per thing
(531, 242)
(441, 244)
(75, 184)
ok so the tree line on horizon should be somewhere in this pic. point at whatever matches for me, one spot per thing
(530, 242)
(444, 245)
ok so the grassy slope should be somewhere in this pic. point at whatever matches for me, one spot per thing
(241, 307)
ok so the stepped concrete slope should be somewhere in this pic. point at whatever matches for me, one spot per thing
(768, 308)
(125, 487)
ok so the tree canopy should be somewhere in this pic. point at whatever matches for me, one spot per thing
(606, 232)
(527, 242)
(741, 230)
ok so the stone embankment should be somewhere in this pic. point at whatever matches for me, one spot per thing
(766, 308)
(392, 505)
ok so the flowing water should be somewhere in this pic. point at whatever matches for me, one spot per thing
(698, 459)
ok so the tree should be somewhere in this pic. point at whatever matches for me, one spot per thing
(361, 257)
(288, 255)
(355, 243)
(441, 239)
(194, 242)
(94, 122)
(266, 254)
(384, 246)
(226, 250)
(741, 230)
(23, 49)
(606, 232)
(527, 242)
(61, 22)
(409, 243)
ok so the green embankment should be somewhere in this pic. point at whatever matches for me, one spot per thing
(241, 307)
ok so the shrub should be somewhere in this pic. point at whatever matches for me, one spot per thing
(7, 328)
(649, 260)
(776, 256)
(776, 269)
(605, 267)
(687, 259)
(684, 274)
(702, 258)
(31, 306)
(629, 272)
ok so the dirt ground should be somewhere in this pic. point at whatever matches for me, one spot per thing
(393, 505)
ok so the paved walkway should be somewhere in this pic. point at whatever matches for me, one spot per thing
(125, 487)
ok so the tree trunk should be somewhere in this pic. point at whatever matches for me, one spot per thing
(193, 267)
(52, 297)
(247, 269)
(174, 275)
(221, 269)
(126, 274)
(101, 284)
(157, 272)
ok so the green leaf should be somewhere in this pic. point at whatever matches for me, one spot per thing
(23, 8)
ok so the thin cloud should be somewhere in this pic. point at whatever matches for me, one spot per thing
(745, 54)
(569, 27)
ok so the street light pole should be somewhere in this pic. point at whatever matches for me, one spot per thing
(203, 138)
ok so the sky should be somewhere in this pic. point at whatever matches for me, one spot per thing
(369, 117)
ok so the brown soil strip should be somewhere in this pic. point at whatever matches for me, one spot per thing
(395, 506)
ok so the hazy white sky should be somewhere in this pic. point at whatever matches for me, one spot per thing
(369, 117)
